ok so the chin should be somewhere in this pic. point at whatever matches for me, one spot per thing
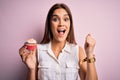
(61, 40)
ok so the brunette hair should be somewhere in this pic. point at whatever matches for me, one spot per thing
(48, 34)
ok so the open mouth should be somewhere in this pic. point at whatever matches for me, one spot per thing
(61, 31)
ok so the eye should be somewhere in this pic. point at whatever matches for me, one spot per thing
(55, 19)
(66, 19)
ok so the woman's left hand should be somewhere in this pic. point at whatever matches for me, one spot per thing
(89, 45)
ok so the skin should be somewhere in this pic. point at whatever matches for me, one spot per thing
(60, 21)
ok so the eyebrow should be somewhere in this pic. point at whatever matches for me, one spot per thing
(57, 15)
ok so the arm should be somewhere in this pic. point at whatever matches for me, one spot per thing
(32, 75)
(88, 70)
(30, 60)
(28, 54)
(83, 66)
(91, 72)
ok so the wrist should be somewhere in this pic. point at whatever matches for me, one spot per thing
(88, 60)
(32, 70)
(91, 58)
(90, 55)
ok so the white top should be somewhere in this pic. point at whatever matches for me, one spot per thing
(64, 68)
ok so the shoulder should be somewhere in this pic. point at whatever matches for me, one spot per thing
(42, 46)
(71, 45)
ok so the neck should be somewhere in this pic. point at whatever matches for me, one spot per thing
(57, 46)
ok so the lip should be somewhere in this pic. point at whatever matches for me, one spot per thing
(61, 31)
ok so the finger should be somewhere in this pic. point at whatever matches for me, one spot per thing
(24, 56)
(89, 37)
(34, 52)
(23, 51)
(22, 48)
(87, 40)
(89, 34)
(30, 52)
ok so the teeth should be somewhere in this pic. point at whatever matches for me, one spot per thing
(61, 31)
(64, 31)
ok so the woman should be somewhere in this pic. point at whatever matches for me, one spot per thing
(58, 57)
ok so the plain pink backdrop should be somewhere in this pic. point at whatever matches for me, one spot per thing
(24, 19)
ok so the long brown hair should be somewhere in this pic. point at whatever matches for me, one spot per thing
(48, 34)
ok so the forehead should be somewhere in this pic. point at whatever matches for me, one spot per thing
(60, 12)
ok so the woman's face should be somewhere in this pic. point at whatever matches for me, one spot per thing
(60, 25)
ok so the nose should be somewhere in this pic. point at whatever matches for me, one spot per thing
(61, 23)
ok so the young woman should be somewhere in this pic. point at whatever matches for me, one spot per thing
(58, 57)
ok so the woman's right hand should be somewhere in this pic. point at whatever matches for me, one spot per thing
(29, 57)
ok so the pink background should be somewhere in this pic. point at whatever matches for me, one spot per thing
(24, 19)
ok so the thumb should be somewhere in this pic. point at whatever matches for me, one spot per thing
(34, 52)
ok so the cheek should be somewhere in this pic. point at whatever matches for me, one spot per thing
(68, 27)
(53, 28)
(52, 25)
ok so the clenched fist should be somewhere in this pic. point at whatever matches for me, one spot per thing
(89, 45)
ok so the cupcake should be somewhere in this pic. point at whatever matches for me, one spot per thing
(31, 44)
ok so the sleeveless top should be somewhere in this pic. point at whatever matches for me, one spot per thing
(65, 67)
